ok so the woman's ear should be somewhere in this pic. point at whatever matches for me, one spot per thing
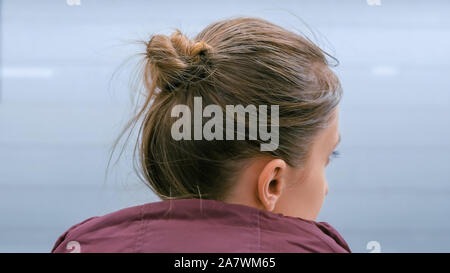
(271, 183)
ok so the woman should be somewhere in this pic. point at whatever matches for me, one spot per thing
(229, 187)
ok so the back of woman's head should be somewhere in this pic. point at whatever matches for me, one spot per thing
(243, 61)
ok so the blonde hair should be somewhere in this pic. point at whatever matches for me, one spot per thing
(237, 61)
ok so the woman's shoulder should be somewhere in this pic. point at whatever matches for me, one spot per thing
(301, 234)
(195, 225)
(332, 233)
(88, 235)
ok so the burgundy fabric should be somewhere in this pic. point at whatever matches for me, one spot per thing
(194, 225)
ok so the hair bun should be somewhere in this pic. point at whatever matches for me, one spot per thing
(175, 59)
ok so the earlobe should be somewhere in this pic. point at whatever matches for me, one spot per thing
(271, 183)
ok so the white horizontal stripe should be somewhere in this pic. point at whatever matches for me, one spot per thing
(384, 70)
(27, 72)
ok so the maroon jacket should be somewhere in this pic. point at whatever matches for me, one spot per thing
(194, 225)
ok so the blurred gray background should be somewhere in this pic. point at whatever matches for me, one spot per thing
(65, 97)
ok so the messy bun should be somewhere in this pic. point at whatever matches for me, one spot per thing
(175, 60)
